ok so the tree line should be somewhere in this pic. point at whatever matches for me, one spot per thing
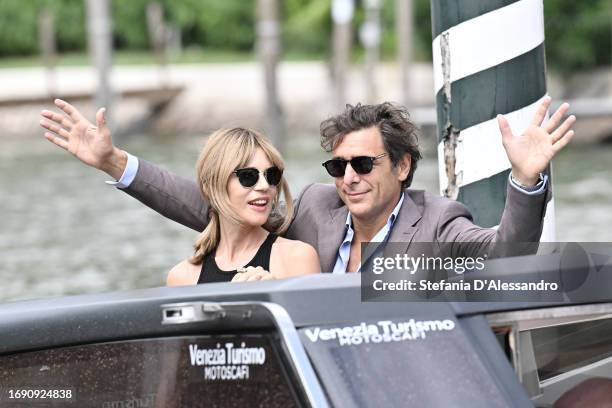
(578, 33)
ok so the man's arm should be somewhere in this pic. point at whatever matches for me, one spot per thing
(522, 219)
(521, 223)
(174, 197)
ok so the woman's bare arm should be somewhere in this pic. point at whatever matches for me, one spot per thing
(185, 273)
(291, 258)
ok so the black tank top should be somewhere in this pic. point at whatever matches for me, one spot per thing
(210, 272)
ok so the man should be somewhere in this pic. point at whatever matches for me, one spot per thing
(375, 154)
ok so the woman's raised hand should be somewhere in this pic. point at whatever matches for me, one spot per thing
(93, 145)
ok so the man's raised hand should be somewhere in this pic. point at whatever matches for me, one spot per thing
(93, 145)
(531, 152)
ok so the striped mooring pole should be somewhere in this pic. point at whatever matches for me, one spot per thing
(488, 59)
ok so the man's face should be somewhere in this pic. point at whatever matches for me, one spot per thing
(369, 197)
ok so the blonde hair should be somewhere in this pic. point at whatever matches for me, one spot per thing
(225, 151)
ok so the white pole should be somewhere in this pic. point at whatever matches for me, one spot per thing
(268, 39)
(99, 30)
(342, 16)
(483, 66)
(370, 33)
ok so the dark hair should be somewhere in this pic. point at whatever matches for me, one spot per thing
(399, 134)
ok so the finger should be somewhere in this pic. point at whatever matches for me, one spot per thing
(239, 277)
(254, 278)
(58, 141)
(563, 129)
(504, 127)
(69, 109)
(101, 118)
(55, 129)
(562, 142)
(268, 276)
(556, 118)
(57, 118)
(541, 112)
(255, 269)
(243, 276)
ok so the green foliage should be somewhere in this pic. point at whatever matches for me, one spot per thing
(69, 24)
(422, 30)
(130, 24)
(222, 24)
(388, 44)
(18, 32)
(578, 33)
(307, 26)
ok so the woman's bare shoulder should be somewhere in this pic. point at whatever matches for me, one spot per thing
(294, 245)
(297, 257)
(184, 273)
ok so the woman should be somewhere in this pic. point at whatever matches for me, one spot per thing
(241, 176)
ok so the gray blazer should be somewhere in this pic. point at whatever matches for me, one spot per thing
(320, 215)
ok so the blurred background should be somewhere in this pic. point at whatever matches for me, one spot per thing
(170, 72)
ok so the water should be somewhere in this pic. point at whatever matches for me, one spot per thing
(64, 231)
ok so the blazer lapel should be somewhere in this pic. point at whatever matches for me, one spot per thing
(333, 230)
(403, 229)
(331, 234)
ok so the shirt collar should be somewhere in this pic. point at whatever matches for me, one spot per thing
(390, 220)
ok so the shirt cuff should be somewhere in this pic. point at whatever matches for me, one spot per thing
(535, 190)
(129, 173)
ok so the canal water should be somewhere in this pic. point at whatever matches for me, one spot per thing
(64, 231)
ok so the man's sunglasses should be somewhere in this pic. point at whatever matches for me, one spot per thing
(248, 177)
(361, 165)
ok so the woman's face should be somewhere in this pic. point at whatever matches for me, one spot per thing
(253, 204)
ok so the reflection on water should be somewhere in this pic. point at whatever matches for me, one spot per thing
(66, 232)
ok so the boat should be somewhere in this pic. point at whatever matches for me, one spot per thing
(307, 342)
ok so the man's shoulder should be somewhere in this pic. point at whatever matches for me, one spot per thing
(323, 189)
(424, 198)
(321, 195)
(325, 195)
(429, 203)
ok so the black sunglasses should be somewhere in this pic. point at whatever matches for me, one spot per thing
(361, 165)
(248, 177)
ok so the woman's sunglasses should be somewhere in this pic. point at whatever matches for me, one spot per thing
(250, 176)
(361, 165)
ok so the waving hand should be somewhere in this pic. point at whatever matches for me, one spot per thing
(93, 145)
(531, 152)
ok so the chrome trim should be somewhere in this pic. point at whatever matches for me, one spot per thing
(297, 353)
(554, 316)
(190, 312)
(174, 313)
(527, 320)
(571, 373)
